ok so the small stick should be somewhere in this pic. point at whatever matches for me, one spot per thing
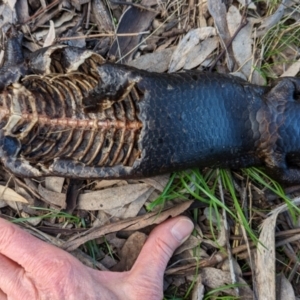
(101, 35)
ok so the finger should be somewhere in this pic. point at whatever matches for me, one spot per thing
(13, 281)
(161, 244)
(26, 250)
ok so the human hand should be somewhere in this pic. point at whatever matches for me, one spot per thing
(32, 269)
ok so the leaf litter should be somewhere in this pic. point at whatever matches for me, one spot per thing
(165, 36)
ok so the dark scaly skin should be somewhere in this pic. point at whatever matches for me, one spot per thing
(188, 121)
(176, 121)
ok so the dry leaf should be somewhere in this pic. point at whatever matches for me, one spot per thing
(133, 208)
(34, 221)
(79, 42)
(107, 183)
(190, 243)
(286, 289)
(242, 43)
(215, 278)
(198, 289)
(130, 251)
(293, 70)
(22, 10)
(8, 15)
(128, 225)
(133, 20)
(12, 3)
(102, 219)
(201, 52)
(265, 257)
(78, 3)
(217, 9)
(54, 198)
(108, 261)
(112, 197)
(158, 182)
(249, 3)
(226, 266)
(101, 16)
(187, 44)
(3, 203)
(157, 61)
(50, 38)
(115, 241)
(270, 21)
(54, 184)
(7, 194)
(24, 193)
(65, 17)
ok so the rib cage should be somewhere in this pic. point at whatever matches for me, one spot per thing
(48, 116)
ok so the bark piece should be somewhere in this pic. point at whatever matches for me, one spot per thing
(133, 20)
(130, 251)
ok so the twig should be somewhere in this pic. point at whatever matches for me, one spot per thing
(100, 35)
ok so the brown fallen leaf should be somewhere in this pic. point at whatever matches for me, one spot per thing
(242, 43)
(187, 44)
(7, 194)
(198, 289)
(50, 38)
(108, 261)
(126, 225)
(3, 203)
(101, 17)
(112, 197)
(78, 3)
(54, 184)
(7, 13)
(215, 278)
(132, 209)
(100, 184)
(133, 20)
(22, 10)
(190, 243)
(201, 52)
(265, 256)
(130, 251)
(34, 221)
(293, 70)
(189, 269)
(271, 20)
(54, 198)
(217, 9)
(158, 182)
(157, 61)
(249, 3)
(286, 290)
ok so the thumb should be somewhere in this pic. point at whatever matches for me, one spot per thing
(159, 248)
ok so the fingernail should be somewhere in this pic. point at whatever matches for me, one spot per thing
(182, 229)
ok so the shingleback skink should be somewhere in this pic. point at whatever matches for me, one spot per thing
(66, 112)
